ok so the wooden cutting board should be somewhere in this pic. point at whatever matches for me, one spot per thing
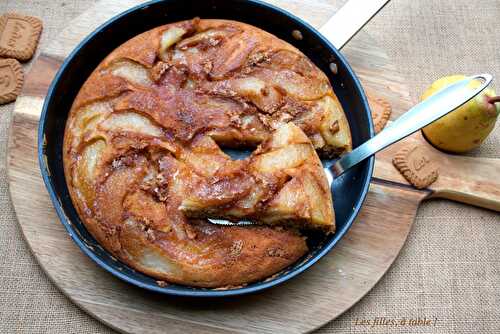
(307, 302)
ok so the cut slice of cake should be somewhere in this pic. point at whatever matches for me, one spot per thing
(281, 183)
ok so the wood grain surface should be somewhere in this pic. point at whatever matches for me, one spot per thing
(464, 179)
(307, 302)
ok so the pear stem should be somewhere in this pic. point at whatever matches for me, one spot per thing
(493, 99)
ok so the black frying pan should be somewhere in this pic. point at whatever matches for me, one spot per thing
(349, 190)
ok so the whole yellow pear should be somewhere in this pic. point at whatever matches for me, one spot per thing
(467, 126)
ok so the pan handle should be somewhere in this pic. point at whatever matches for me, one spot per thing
(349, 19)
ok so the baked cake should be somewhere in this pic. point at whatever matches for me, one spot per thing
(144, 167)
(282, 183)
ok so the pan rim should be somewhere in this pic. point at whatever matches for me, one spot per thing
(194, 291)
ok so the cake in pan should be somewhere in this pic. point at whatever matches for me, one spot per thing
(145, 168)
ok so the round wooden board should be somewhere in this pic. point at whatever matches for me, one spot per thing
(307, 302)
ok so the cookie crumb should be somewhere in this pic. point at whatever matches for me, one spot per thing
(297, 34)
(161, 284)
(334, 68)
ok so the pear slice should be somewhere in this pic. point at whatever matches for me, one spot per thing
(281, 183)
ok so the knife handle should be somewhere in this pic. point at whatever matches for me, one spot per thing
(349, 19)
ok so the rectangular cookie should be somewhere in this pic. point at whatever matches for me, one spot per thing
(19, 35)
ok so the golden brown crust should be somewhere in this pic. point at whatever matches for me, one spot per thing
(145, 128)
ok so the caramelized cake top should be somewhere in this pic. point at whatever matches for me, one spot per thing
(144, 133)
